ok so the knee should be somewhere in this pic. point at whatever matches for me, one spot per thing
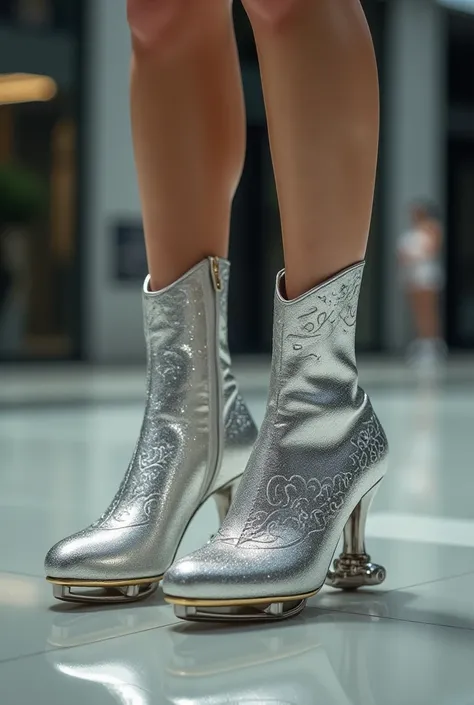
(273, 13)
(155, 22)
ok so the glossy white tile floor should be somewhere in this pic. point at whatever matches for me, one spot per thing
(65, 440)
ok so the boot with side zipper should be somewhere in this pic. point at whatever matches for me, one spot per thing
(194, 442)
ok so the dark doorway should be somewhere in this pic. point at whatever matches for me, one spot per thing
(460, 178)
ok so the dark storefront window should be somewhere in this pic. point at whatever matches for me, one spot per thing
(39, 176)
(40, 14)
(460, 226)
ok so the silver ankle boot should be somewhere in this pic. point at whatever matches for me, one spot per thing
(195, 440)
(320, 456)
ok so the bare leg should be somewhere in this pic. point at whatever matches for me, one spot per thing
(425, 308)
(188, 129)
(321, 92)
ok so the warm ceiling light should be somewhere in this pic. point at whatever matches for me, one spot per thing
(26, 88)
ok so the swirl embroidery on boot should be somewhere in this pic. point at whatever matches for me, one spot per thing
(137, 499)
(337, 309)
(173, 339)
(370, 445)
(299, 508)
(296, 508)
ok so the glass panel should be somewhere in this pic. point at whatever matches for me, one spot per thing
(38, 182)
(459, 235)
(461, 246)
(40, 14)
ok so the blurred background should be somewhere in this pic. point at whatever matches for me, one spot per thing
(71, 254)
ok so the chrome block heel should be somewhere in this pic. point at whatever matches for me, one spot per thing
(271, 611)
(99, 594)
(354, 568)
(320, 451)
(195, 439)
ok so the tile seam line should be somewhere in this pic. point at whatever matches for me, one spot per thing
(21, 574)
(365, 616)
(385, 592)
(78, 646)
(400, 589)
(400, 619)
(431, 582)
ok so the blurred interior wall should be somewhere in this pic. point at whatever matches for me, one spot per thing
(415, 126)
(112, 311)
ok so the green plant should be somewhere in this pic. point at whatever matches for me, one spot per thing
(23, 196)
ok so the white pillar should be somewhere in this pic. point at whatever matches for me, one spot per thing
(415, 134)
(114, 330)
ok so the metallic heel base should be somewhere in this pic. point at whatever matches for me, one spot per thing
(106, 591)
(352, 572)
(252, 610)
(354, 569)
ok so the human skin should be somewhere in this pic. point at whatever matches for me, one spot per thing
(188, 125)
(321, 94)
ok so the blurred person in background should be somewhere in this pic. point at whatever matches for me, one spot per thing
(419, 252)
(321, 445)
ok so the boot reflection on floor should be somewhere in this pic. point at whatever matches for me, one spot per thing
(329, 658)
(279, 667)
(255, 666)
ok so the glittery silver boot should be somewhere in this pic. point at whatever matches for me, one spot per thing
(320, 455)
(194, 442)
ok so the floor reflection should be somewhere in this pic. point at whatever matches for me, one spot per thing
(197, 665)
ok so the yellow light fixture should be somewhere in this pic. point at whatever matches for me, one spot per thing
(26, 88)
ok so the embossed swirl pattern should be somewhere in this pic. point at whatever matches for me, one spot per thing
(297, 507)
(335, 309)
(158, 447)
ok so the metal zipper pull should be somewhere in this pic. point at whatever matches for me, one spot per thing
(216, 274)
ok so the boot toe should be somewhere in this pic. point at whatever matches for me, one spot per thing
(198, 576)
(101, 555)
(71, 559)
(224, 572)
